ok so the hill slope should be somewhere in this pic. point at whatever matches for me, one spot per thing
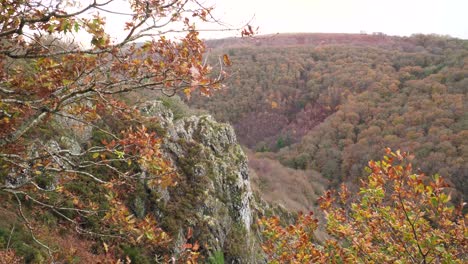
(343, 98)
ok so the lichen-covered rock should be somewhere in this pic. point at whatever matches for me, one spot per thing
(213, 195)
(71, 144)
(79, 130)
(156, 108)
(18, 177)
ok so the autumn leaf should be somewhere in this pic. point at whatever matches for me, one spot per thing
(106, 247)
(187, 92)
(226, 60)
(390, 213)
(274, 105)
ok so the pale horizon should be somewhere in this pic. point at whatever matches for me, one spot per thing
(396, 17)
(393, 18)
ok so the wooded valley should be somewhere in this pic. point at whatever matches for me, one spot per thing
(332, 102)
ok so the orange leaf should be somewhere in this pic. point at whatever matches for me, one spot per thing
(226, 60)
(274, 105)
(196, 246)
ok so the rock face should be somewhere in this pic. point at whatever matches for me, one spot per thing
(213, 195)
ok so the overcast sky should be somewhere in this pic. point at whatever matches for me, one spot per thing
(392, 17)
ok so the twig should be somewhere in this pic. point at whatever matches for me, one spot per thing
(28, 224)
(9, 238)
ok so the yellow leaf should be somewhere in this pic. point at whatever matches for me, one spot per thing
(106, 247)
(187, 92)
(274, 104)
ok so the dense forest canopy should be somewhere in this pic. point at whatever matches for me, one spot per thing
(331, 102)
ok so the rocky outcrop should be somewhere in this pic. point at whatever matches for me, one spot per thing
(213, 195)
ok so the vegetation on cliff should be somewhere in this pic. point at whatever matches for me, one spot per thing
(73, 154)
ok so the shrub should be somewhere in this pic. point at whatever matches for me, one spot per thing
(398, 216)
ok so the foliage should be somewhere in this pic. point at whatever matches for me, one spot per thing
(15, 240)
(69, 143)
(292, 244)
(216, 258)
(397, 216)
(9, 257)
(177, 106)
(344, 97)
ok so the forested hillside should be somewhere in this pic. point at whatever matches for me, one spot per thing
(332, 102)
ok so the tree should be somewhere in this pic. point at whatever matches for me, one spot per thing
(397, 217)
(50, 84)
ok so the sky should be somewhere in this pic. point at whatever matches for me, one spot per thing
(391, 17)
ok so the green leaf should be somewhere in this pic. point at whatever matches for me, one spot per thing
(66, 82)
(440, 248)
(120, 154)
(76, 26)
